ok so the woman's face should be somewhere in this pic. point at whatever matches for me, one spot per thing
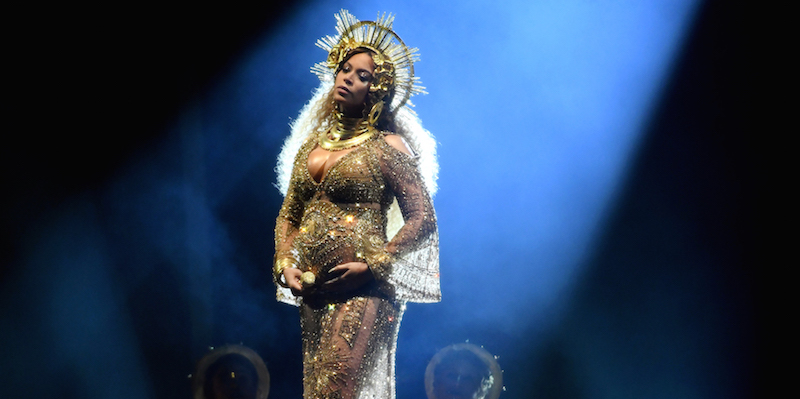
(352, 84)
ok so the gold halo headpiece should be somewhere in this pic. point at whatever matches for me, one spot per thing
(394, 61)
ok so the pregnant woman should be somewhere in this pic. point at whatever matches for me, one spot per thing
(356, 237)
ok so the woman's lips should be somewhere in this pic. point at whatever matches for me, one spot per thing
(343, 90)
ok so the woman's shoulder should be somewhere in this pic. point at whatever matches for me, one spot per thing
(397, 142)
(309, 143)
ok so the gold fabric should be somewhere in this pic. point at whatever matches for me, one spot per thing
(349, 339)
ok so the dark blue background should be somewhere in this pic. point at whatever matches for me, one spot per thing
(138, 210)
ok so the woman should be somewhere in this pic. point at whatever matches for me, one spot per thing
(344, 253)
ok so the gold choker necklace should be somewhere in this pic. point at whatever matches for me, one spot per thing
(345, 133)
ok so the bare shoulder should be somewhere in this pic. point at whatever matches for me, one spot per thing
(398, 143)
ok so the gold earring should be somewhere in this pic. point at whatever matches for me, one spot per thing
(375, 113)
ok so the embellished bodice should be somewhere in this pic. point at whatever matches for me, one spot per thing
(354, 178)
(343, 218)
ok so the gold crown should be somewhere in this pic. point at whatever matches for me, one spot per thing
(394, 61)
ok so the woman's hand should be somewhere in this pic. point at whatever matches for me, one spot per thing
(292, 277)
(350, 276)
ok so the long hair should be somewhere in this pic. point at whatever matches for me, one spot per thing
(317, 115)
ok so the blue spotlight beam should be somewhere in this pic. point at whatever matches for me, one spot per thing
(538, 106)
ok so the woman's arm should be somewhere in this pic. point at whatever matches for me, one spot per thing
(400, 172)
(408, 265)
(287, 225)
(402, 175)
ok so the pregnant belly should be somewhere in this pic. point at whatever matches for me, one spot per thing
(330, 236)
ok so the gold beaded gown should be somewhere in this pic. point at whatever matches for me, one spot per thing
(349, 339)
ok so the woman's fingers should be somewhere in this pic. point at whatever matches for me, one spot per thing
(292, 277)
(352, 275)
(343, 268)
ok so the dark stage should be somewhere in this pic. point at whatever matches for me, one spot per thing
(139, 207)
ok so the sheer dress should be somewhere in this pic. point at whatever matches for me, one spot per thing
(349, 339)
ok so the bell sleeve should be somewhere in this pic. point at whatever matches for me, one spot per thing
(407, 266)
